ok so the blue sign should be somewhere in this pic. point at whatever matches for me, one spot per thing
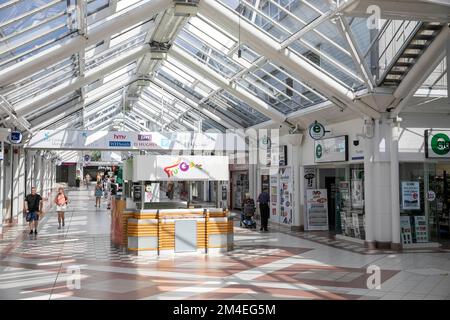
(15, 137)
(120, 143)
(87, 158)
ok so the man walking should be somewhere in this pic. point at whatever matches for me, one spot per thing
(32, 207)
(263, 200)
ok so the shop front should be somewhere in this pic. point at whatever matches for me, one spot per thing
(333, 185)
(425, 194)
(239, 185)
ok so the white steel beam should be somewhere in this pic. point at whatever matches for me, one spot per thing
(75, 84)
(97, 33)
(264, 45)
(357, 57)
(255, 102)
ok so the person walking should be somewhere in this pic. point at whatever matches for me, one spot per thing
(88, 180)
(98, 194)
(61, 201)
(32, 208)
(170, 190)
(263, 200)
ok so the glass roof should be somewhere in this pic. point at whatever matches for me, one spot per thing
(115, 79)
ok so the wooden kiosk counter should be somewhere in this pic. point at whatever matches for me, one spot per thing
(161, 229)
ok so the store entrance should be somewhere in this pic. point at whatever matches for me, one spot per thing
(330, 185)
(438, 196)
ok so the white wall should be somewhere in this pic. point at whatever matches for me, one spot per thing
(350, 128)
(412, 141)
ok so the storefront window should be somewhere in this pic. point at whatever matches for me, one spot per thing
(413, 208)
(425, 202)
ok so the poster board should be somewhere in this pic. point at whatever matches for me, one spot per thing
(410, 195)
(317, 209)
(286, 196)
(274, 198)
(420, 228)
(405, 228)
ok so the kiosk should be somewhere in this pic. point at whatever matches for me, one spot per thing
(147, 222)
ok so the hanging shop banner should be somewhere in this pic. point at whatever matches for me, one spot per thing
(128, 140)
(317, 209)
(437, 143)
(405, 227)
(274, 197)
(421, 232)
(410, 195)
(182, 168)
(286, 196)
(331, 149)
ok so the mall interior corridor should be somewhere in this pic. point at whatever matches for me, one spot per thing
(264, 265)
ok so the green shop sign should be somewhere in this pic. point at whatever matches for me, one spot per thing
(437, 143)
(318, 151)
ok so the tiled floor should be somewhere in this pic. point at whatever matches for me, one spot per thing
(273, 265)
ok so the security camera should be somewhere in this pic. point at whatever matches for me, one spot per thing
(356, 143)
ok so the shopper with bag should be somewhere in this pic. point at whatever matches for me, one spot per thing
(61, 201)
(32, 208)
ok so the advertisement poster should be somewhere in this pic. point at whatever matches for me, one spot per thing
(310, 178)
(421, 231)
(405, 227)
(274, 197)
(317, 209)
(286, 196)
(410, 195)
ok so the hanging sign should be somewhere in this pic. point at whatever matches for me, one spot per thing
(437, 143)
(15, 137)
(316, 130)
(410, 195)
(317, 209)
(431, 195)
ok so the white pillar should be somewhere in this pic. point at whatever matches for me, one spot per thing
(368, 198)
(297, 219)
(395, 182)
(8, 185)
(29, 168)
(301, 191)
(18, 184)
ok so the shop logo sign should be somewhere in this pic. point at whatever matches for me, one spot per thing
(144, 137)
(440, 144)
(120, 144)
(317, 130)
(319, 151)
(120, 136)
(180, 166)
